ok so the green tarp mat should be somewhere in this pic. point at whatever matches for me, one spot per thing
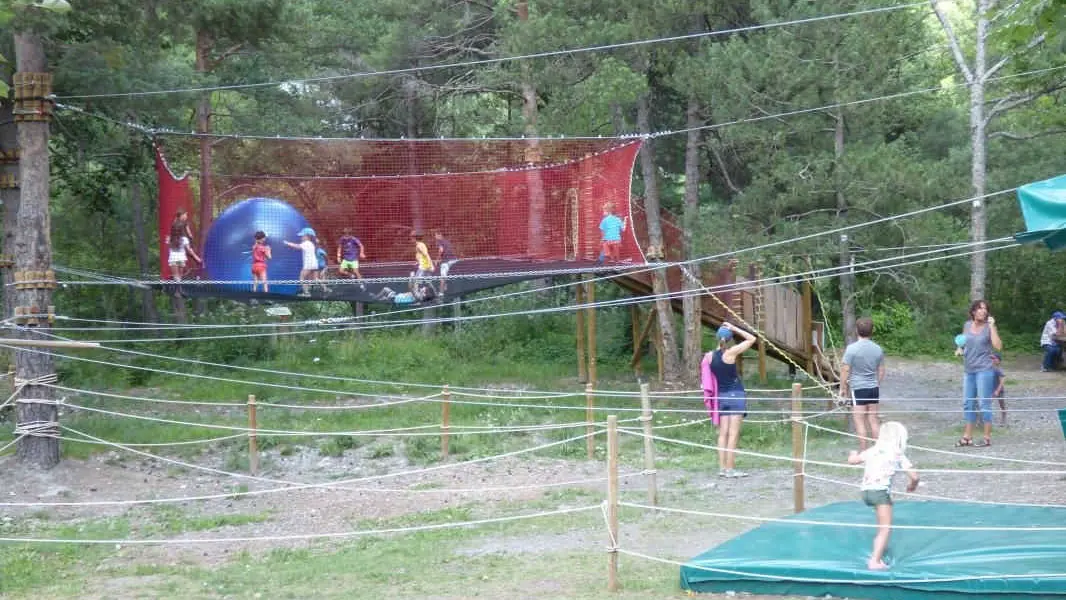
(789, 557)
(1043, 207)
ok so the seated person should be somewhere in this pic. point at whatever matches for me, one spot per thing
(419, 292)
(1052, 351)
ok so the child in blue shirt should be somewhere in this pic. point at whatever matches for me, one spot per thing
(611, 227)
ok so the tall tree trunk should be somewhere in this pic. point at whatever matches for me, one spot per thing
(671, 361)
(691, 303)
(534, 182)
(203, 126)
(204, 42)
(140, 240)
(847, 276)
(979, 164)
(37, 419)
(10, 199)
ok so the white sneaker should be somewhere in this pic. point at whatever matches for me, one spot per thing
(737, 474)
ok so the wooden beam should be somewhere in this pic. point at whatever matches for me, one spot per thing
(582, 366)
(638, 342)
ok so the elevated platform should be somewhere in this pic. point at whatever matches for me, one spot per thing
(465, 277)
(794, 558)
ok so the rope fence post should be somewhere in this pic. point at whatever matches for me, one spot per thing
(445, 421)
(612, 503)
(590, 418)
(649, 444)
(590, 320)
(797, 448)
(579, 325)
(253, 442)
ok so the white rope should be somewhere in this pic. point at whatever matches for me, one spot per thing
(10, 444)
(376, 490)
(20, 384)
(210, 403)
(620, 302)
(397, 432)
(290, 487)
(888, 578)
(969, 455)
(499, 60)
(302, 536)
(797, 521)
(933, 497)
(833, 464)
(162, 444)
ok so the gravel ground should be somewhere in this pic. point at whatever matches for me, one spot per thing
(1033, 434)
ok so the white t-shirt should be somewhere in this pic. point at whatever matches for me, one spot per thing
(177, 255)
(310, 260)
(881, 466)
(1047, 336)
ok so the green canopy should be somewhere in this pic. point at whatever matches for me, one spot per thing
(1043, 207)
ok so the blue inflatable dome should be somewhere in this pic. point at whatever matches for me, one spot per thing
(227, 247)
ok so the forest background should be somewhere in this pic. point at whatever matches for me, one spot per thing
(731, 185)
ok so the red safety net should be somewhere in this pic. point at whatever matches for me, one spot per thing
(505, 204)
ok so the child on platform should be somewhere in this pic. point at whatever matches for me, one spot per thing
(179, 252)
(446, 258)
(419, 292)
(349, 252)
(611, 227)
(260, 255)
(1000, 392)
(422, 257)
(309, 268)
(882, 461)
(323, 264)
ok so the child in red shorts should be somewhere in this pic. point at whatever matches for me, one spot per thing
(260, 256)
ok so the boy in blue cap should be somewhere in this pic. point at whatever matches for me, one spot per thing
(1052, 352)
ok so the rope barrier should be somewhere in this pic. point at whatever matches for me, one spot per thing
(301, 536)
(798, 521)
(291, 487)
(933, 497)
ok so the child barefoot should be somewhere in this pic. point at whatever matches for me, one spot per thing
(882, 461)
(260, 256)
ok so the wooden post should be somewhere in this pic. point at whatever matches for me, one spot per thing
(612, 503)
(805, 326)
(590, 297)
(582, 366)
(659, 347)
(445, 421)
(797, 447)
(36, 412)
(253, 442)
(649, 445)
(590, 418)
(762, 359)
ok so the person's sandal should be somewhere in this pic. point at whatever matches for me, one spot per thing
(964, 441)
(984, 443)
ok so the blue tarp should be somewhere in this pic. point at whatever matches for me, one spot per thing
(1043, 207)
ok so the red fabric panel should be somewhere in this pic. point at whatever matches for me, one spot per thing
(174, 193)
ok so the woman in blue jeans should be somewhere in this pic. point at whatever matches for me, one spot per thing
(979, 378)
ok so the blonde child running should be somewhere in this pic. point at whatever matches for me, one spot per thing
(882, 462)
(309, 268)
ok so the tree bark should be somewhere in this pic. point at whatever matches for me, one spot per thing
(534, 181)
(691, 309)
(979, 164)
(847, 276)
(140, 240)
(37, 419)
(10, 199)
(671, 360)
(203, 126)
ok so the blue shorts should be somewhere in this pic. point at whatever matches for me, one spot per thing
(733, 402)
